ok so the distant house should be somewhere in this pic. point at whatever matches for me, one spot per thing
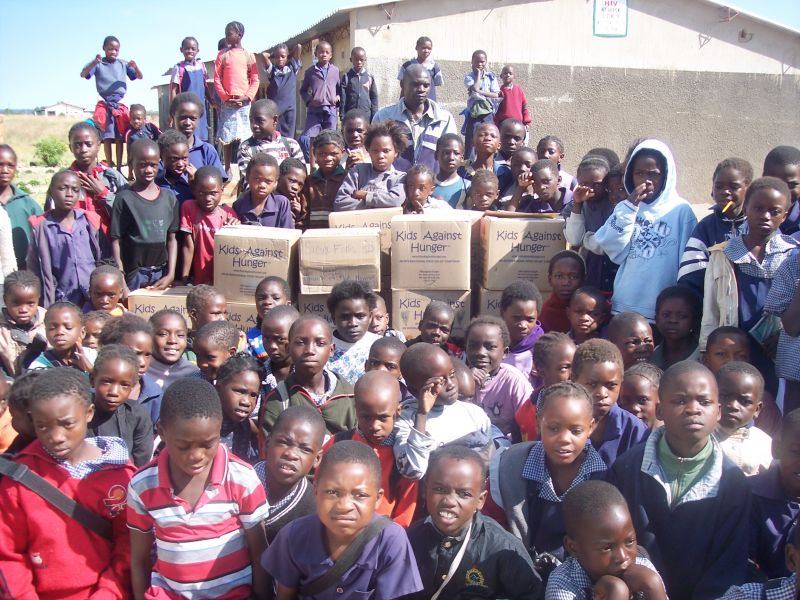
(61, 109)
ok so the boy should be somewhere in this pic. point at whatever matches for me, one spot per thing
(201, 506)
(18, 398)
(292, 176)
(552, 148)
(547, 196)
(176, 171)
(22, 329)
(321, 91)
(311, 383)
(348, 305)
(513, 104)
(354, 132)
(43, 552)
(519, 308)
(565, 274)
(275, 328)
(513, 133)
(601, 542)
(204, 304)
(140, 129)
(497, 564)
(424, 47)
(520, 166)
(379, 318)
(185, 110)
(93, 323)
(266, 139)
(62, 323)
(484, 191)
(260, 205)
(377, 400)
(281, 66)
(322, 184)
(385, 355)
(215, 343)
(632, 335)
(783, 162)
(435, 327)
(358, 89)
(483, 92)
(451, 187)
(106, 286)
(487, 144)
(691, 526)
(434, 417)
(144, 222)
(292, 451)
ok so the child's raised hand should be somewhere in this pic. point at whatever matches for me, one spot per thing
(638, 194)
(190, 171)
(232, 221)
(353, 158)
(297, 207)
(581, 194)
(525, 179)
(132, 64)
(609, 587)
(266, 56)
(91, 183)
(429, 393)
(639, 578)
(98, 59)
(480, 376)
(79, 359)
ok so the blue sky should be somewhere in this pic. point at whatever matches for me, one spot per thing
(47, 42)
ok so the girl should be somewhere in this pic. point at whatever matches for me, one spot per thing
(282, 68)
(376, 185)
(18, 205)
(418, 188)
(587, 312)
(322, 185)
(22, 332)
(424, 47)
(565, 274)
(66, 244)
(99, 183)
(500, 388)
(238, 384)
(185, 111)
(93, 323)
(169, 361)
(271, 291)
(450, 186)
(639, 393)
(236, 82)
(110, 115)
(484, 191)
(189, 75)
(259, 205)
(275, 339)
(519, 309)
(678, 314)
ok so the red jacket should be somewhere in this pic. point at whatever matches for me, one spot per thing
(45, 554)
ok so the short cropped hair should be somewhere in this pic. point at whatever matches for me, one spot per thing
(186, 98)
(594, 161)
(682, 368)
(207, 172)
(623, 319)
(494, 322)
(107, 270)
(116, 352)
(62, 305)
(552, 138)
(262, 159)
(546, 345)
(388, 342)
(200, 295)
(309, 319)
(84, 126)
(459, 452)
(21, 390)
(269, 107)
(302, 414)
(347, 290)
(520, 290)
(117, 328)
(140, 146)
(483, 176)
(769, 183)
(282, 311)
(171, 137)
(735, 164)
(567, 254)
(595, 351)
(689, 296)
(218, 334)
(275, 279)
(743, 368)
(595, 293)
(190, 398)
(646, 371)
(437, 307)
(140, 107)
(780, 156)
(166, 312)
(544, 164)
(61, 381)
(291, 163)
(565, 389)
(415, 360)
(727, 331)
(354, 113)
(419, 169)
(449, 137)
(590, 500)
(789, 424)
(240, 362)
(349, 451)
(21, 280)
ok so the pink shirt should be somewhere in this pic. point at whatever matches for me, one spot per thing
(203, 227)
(235, 74)
(502, 396)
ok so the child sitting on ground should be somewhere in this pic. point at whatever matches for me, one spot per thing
(379, 184)
(349, 308)
(205, 520)
(347, 490)
(113, 377)
(291, 180)
(632, 335)
(434, 417)
(238, 385)
(435, 327)
(740, 389)
(454, 495)
(43, 552)
(275, 339)
(379, 318)
(62, 323)
(597, 366)
(292, 451)
(547, 196)
(639, 393)
(322, 184)
(565, 274)
(419, 189)
(270, 292)
(169, 363)
(587, 312)
(214, 344)
(259, 205)
(604, 560)
(483, 191)
(678, 314)
(519, 309)
(106, 286)
(19, 396)
(689, 503)
(176, 171)
(93, 323)
(21, 321)
(451, 187)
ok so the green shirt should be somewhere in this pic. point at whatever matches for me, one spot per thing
(683, 473)
(19, 207)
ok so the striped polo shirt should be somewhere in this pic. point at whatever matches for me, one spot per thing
(202, 550)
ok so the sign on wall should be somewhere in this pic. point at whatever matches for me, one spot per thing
(610, 18)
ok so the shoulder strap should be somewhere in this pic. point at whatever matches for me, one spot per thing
(283, 394)
(346, 560)
(24, 476)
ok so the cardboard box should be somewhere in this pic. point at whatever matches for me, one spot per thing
(378, 218)
(329, 256)
(488, 302)
(245, 254)
(514, 249)
(431, 251)
(242, 315)
(315, 305)
(408, 306)
(145, 303)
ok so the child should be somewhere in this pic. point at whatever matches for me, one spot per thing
(377, 400)
(236, 83)
(99, 183)
(19, 396)
(483, 192)
(21, 322)
(552, 148)
(418, 190)
(348, 305)
(601, 541)
(565, 274)
(486, 143)
(379, 319)
(204, 304)
(500, 388)
(169, 362)
(519, 309)
(106, 286)
(547, 197)
(322, 185)
(385, 355)
(454, 495)
(354, 129)
(587, 313)
(358, 89)
(291, 179)
(528, 481)
(271, 291)
(266, 138)
(321, 92)
(513, 135)
(678, 314)
(214, 344)
(513, 104)
(347, 490)
(190, 75)
(483, 91)
(66, 244)
(435, 327)
(275, 339)
(597, 366)
(144, 223)
(113, 378)
(238, 385)
(199, 505)
(93, 323)
(201, 219)
(632, 335)
(616, 185)
(639, 393)
(552, 363)
(783, 162)
(281, 70)
(379, 184)
(728, 190)
(7, 432)
(741, 387)
(110, 115)
(775, 501)
(176, 171)
(292, 451)
(310, 383)
(62, 324)
(17, 203)
(140, 129)
(450, 185)
(424, 47)
(434, 417)
(646, 234)
(259, 205)
(185, 110)
(520, 167)
(689, 503)
(43, 552)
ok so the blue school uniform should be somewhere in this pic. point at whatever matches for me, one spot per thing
(179, 186)
(240, 440)
(282, 89)
(792, 223)
(150, 396)
(623, 431)
(192, 78)
(202, 154)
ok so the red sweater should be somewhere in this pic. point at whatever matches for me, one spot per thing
(513, 105)
(553, 315)
(45, 554)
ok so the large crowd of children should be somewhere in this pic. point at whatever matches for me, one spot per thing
(634, 434)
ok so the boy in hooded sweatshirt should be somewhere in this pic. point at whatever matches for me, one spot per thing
(646, 234)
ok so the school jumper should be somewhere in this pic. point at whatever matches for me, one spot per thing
(19, 207)
(385, 189)
(787, 362)
(319, 90)
(192, 77)
(622, 432)
(299, 502)
(318, 197)
(282, 89)
(553, 314)
(513, 105)
(521, 355)
(359, 92)
(110, 115)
